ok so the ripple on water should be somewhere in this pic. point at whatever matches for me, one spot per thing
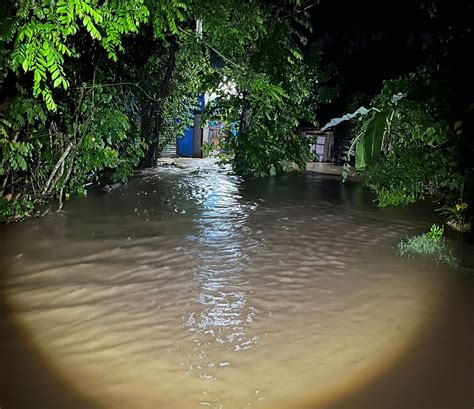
(185, 290)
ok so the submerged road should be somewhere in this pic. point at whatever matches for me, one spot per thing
(191, 288)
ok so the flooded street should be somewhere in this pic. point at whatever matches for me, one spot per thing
(190, 288)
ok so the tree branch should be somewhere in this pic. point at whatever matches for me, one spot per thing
(118, 84)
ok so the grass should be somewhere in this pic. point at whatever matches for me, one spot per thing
(430, 244)
(387, 197)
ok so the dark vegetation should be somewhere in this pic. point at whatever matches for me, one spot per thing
(419, 145)
(93, 90)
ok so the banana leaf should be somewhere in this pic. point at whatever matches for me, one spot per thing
(373, 137)
(360, 155)
(369, 146)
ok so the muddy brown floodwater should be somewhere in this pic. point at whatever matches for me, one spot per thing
(190, 288)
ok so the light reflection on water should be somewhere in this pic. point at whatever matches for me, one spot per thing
(191, 288)
(224, 316)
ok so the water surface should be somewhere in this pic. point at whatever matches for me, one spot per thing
(191, 288)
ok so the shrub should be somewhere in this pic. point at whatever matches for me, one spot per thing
(406, 176)
(406, 142)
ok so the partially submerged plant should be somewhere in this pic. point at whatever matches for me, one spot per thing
(431, 244)
(393, 197)
(456, 216)
(436, 232)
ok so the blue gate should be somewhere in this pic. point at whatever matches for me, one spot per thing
(184, 145)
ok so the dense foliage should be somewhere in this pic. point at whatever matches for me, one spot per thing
(417, 156)
(413, 140)
(407, 142)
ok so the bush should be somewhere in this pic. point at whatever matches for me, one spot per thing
(406, 176)
(419, 145)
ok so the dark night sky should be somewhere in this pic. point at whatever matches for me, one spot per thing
(372, 41)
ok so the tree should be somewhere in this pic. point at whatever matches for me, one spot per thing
(276, 86)
(77, 123)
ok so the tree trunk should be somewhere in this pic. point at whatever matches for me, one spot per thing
(155, 115)
(145, 125)
(244, 128)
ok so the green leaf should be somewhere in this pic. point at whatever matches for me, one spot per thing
(106, 98)
(373, 136)
(55, 74)
(360, 155)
